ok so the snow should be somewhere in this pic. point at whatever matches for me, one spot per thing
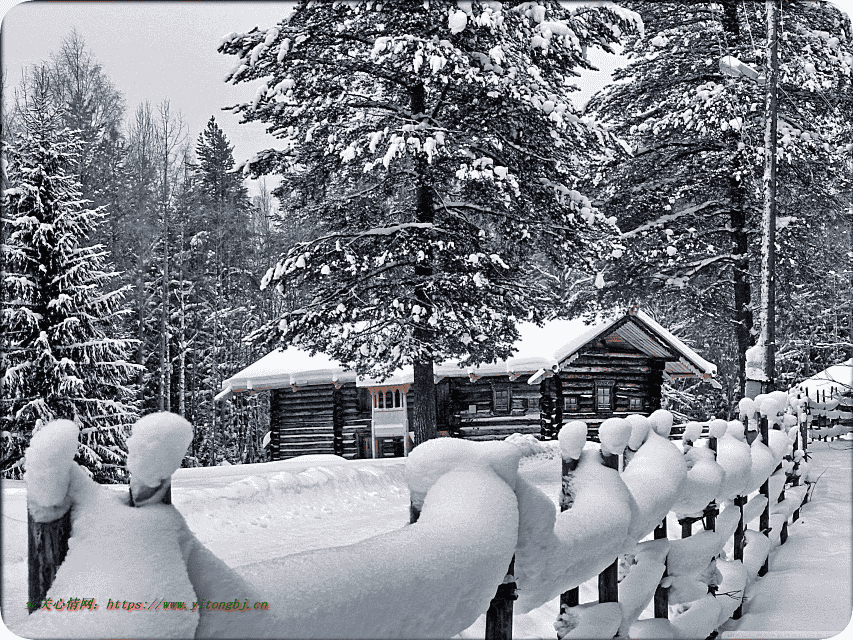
(453, 558)
(763, 464)
(589, 621)
(431, 460)
(321, 503)
(661, 421)
(614, 434)
(156, 447)
(572, 438)
(701, 485)
(699, 620)
(637, 589)
(640, 427)
(108, 534)
(654, 479)
(735, 457)
(586, 538)
(692, 432)
(49, 462)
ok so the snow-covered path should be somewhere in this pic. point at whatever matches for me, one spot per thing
(807, 591)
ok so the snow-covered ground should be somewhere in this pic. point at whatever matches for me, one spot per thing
(249, 516)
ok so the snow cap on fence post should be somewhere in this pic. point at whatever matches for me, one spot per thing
(48, 463)
(572, 438)
(770, 408)
(692, 432)
(746, 408)
(614, 434)
(718, 428)
(640, 427)
(661, 422)
(736, 429)
(156, 447)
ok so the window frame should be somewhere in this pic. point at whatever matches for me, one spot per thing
(637, 401)
(501, 388)
(610, 385)
(570, 407)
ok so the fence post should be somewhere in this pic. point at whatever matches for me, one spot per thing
(614, 437)
(47, 545)
(499, 615)
(49, 461)
(570, 598)
(739, 502)
(572, 438)
(661, 598)
(764, 520)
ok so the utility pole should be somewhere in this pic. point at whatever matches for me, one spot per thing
(768, 236)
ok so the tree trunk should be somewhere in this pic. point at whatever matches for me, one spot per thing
(424, 382)
(424, 399)
(768, 222)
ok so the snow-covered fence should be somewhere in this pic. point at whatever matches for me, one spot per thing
(473, 516)
(155, 450)
(759, 456)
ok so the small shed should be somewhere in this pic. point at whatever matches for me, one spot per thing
(612, 368)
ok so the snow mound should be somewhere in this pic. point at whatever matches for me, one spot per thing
(654, 479)
(526, 443)
(48, 462)
(735, 457)
(572, 438)
(585, 539)
(589, 621)
(445, 569)
(432, 459)
(156, 447)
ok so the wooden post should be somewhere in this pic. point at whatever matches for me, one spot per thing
(740, 542)
(764, 520)
(570, 598)
(711, 510)
(608, 580)
(499, 615)
(47, 545)
(661, 598)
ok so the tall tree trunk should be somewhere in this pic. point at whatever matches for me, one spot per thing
(424, 397)
(768, 223)
(740, 238)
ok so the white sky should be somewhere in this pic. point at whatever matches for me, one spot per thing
(158, 50)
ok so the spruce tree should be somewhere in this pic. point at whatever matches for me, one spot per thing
(61, 357)
(434, 152)
(690, 103)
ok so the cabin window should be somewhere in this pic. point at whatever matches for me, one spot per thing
(389, 400)
(635, 404)
(397, 403)
(570, 403)
(604, 396)
(501, 399)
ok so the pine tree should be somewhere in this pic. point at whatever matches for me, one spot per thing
(691, 105)
(434, 152)
(60, 357)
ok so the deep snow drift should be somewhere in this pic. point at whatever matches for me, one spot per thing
(256, 519)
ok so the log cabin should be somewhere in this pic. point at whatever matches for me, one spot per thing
(615, 367)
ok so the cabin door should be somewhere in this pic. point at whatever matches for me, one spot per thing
(390, 425)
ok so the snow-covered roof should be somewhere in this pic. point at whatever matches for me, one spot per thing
(645, 334)
(535, 351)
(839, 376)
(285, 368)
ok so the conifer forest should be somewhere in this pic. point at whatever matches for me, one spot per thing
(433, 180)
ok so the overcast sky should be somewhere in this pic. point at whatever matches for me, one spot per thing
(156, 50)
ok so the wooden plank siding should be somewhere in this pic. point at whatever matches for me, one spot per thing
(325, 419)
(632, 374)
(484, 422)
